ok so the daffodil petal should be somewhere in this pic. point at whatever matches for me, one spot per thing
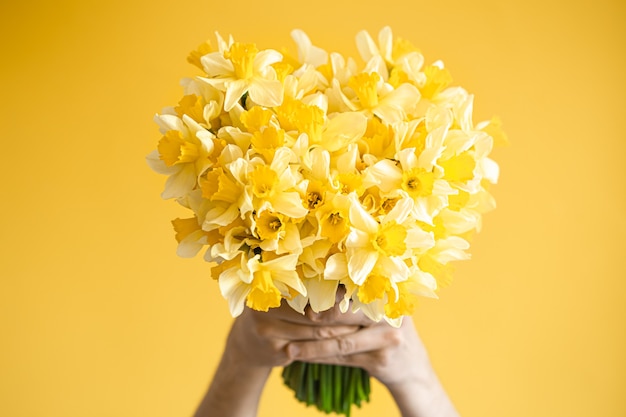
(360, 264)
(267, 93)
(266, 58)
(180, 183)
(343, 129)
(366, 46)
(291, 279)
(234, 90)
(307, 52)
(298, 303)
(400, 211)
(321, 293)
(233, 290)
(191, 244)
(158, 166)
(289, 204)
(490, 169)
(360, 218)
(216, 65)
(336, 267)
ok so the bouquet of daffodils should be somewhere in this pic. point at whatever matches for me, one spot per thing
(305, 173)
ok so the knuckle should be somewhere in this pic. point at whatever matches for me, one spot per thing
(276, 346)
(395, 338)
(322, 333)
(345, 345)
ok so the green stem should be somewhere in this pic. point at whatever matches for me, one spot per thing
(331, 388)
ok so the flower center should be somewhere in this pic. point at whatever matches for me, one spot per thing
(334, 227)
(269, 225)
(242, 56)
(313, 199)
(418, 182)
(365, 85)
(390, 239)
(174, 149)
(264, 294)
(374, 287)
(334, 219)
(263, 180)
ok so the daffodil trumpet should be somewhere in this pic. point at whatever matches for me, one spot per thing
(306, 172)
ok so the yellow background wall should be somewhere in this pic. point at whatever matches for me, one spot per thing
(98, 317)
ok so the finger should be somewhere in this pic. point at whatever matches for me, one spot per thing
(336, 316)
(367, 339)
(289, 331)
(366, 360)
(332, 316)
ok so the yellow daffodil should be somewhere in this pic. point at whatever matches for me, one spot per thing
(371, 241)
(436, 260)
(182, 153)
(191, 238)
(307, 52)
(419, 283)
(273, 186)
(392, 52)
(371, 94)
(334, 218)
(202, 102)
(244, 69)
(260, 284)
(320, 291)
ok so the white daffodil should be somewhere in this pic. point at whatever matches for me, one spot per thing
(182, 153)
(382, 295)
(371, 242)
(224, 191)
(190, 237)
(393, 53)
(331, 133)
(418, 283)
(202, 102)
(276, 232)
(320, 292)
(260, 284)
(303, 82)
(436, 260)
(273, 187)
(416, 178)
(244, 69)
(371, 94)
(234, 238)
(307, 52)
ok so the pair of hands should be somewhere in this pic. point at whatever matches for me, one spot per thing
(281, 336)
(259, 341)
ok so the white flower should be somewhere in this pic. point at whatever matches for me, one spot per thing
(243, 69)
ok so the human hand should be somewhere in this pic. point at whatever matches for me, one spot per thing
(391, 355)
(394, 356)
(259, 341)
(261, 338)
(256, 343)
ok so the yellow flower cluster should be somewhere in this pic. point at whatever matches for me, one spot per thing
(305, 173)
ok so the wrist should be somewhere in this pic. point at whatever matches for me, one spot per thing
(236, 388)
(422, 396)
